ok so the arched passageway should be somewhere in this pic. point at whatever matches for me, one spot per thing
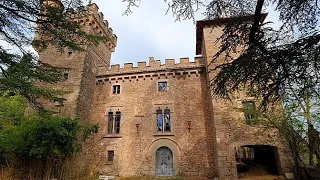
(257, 160)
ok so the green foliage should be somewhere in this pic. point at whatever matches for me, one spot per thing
(90, 130)
(250, 113)
(273, 58)
(20, 70)
(22, 73)
(41, 137)
(38, 136)
(12, 108)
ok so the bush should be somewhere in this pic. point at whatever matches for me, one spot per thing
(41, 137)
(44, 140)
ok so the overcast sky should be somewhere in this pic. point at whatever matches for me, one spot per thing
(148, 31)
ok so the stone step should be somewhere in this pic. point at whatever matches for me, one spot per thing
(107, 178)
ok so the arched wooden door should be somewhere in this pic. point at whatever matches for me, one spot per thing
(164, 162)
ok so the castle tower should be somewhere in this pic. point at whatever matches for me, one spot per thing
(231, 129)
(82, 66)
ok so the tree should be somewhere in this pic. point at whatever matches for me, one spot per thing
(291, 122)
(276, 64)
(273, 60)
(20, 69)
(304, 107)
(37, 145)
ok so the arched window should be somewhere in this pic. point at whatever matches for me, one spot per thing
(117, 119)
(159, 120)
(163, 120)
(167, 120)
(114, 122)
(110, 122)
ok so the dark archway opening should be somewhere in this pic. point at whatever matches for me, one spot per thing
(257, 160)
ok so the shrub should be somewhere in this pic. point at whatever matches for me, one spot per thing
(37, 141)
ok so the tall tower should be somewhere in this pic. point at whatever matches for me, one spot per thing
(230, 129)
(83, 66)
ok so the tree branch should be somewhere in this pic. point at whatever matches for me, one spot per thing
(255, 27)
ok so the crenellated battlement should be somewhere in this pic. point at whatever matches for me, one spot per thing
(99, 24)
(153, 65)
(95, 23)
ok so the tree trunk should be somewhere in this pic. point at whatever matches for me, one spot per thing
(310, 138)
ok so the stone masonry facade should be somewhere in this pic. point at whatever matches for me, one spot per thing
(125, 101)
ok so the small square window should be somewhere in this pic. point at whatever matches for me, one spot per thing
(110, 156)
(116, 89)
(162, 86)
(58, 102)
(65, 76)
(70, 53)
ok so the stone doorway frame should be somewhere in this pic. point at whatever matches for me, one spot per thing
(163, 148)
(282, 159)
(164, 142)
(274, 150)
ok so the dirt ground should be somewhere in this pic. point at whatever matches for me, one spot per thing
(259, 173)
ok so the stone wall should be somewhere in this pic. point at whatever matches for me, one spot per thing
(229, 124)
(204, 133)
(82, 67)
(139, 98)
(153, 65)
(74, 64)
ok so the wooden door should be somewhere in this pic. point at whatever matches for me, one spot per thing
(164, 162)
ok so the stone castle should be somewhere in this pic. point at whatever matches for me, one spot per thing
(160, 119)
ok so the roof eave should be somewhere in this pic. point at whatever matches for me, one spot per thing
(202, 23)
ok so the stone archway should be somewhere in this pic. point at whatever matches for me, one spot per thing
(152, 154)
(164, 162)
